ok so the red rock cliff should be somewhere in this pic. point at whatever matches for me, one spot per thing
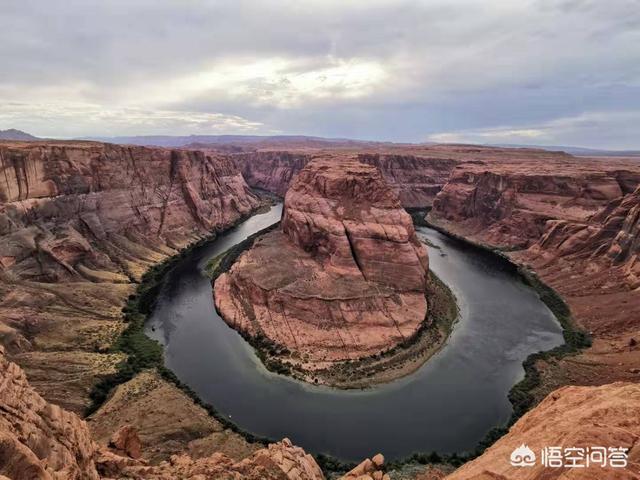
(508, 203)
(345, 276)
(416, 179)
(79, 222)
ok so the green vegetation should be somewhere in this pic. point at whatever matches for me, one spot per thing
(520, 395)
(144, 353)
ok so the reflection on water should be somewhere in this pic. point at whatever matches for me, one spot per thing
(447, 405)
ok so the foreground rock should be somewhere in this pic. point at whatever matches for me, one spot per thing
(342, 279)
(39, 440)
(580, 417)
(79, 223)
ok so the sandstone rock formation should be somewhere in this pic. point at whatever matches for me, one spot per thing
(79, 223)
(343, 278)
(573, 222)
(39, 440)
(368, 469)
(610, 239)
(167, 422)
(42, 441)
(416, 179)
(508, 204)
(125, 441)
(580, 417)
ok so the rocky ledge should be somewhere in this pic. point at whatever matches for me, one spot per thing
(342, 279)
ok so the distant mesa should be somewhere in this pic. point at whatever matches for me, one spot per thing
(343, 278)
(19, 135)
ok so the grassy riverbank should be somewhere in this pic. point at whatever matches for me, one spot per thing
(144, 353)
(396, 362)
(520, 395)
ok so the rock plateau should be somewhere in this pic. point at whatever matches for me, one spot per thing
(343, 278)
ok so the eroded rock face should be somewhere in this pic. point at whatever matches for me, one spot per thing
(347, 217)
(79, 222)
(73, 211)
(611, 238)
(416, 179)
(39, 440)
(509, 204)
(343, 278)
(573, 221)
(606, 416)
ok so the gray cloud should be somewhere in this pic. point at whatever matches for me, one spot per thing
(379, 69)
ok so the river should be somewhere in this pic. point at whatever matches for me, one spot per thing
(447, 405)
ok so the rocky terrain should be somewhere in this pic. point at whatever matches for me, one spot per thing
(571, 417)
(508, 203)
(39, 440)
(43, 441)
(80, 222)
(416, 172)
(416, 179)
(574, 223)
(343, 278)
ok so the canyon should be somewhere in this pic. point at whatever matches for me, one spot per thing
(342, 279)
(81, 222)
(573, 223)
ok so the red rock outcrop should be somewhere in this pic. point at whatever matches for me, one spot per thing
(609, 239)
(580, 417)
(573, 221)
(39, 440)
(79, 223)
(416, 179)
(42, 441)
(368, 469)
(344, 277)
(60, 201)
(125, 441)
(509, 204)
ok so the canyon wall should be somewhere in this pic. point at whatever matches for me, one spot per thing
(508, 204)
(415, 179)
(573, 222)
(345, 276)
(79, 223)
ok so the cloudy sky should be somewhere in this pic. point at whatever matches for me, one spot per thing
(485, 71)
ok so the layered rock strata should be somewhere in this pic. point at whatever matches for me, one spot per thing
(574, 223)
(343, 278)
(579, 418)
(42, 441)
(508, 204)
(79, 224)
(416, 179)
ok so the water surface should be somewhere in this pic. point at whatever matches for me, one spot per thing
(447, 405)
